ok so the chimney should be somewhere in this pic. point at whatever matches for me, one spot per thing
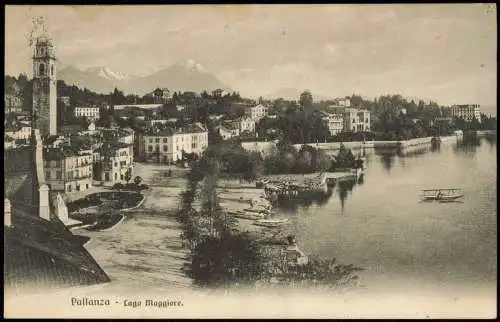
(8, 213)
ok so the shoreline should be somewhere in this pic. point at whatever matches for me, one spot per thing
(263, 146)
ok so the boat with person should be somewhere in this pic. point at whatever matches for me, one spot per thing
(442, 194)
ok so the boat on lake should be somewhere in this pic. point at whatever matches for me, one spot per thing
(259, 210)
(443, 195)
(247, 215)
(271, 222)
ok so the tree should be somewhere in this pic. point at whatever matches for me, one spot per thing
(306, 100)
(84, 122)
(128, 175)
(137, 180)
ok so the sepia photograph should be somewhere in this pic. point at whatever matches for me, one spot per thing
(250, 161)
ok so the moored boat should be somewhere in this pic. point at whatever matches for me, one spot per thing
(441, 194)
(271, 222)
(247, 215)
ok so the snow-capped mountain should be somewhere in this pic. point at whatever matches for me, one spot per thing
(107, 73)
(186, 75)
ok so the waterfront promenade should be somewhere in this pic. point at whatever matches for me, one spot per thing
(267, 147)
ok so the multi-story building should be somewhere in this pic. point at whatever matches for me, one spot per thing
(344, 102)
(356, 120)
(13, 104)
(467, 112)
(334, 122)
(168, 145)
(90, 112)
(114, 160)
(256, 112)
(228, 131)
(18, 132)
(243, 124)
(67, 169)
(155, 122)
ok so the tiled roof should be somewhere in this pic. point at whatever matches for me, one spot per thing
(13, 127)
(56, 154)
(195, 128)
(159, 132)
(108, 148)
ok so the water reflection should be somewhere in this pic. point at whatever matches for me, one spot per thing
(491, 140)
(306, 200)
(387, 160)
(418, 150)
(468, 146)
(344, 187)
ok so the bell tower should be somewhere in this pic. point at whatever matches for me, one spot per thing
(44, 87)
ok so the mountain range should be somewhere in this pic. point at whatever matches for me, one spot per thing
(186, 75)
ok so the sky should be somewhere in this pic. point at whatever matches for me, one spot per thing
(443, 52)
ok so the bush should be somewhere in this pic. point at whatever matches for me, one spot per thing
(118, 186)
(234, 258)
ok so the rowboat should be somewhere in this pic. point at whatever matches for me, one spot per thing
(270, 222)
(247, 215)
(442, 194)
(259, 210)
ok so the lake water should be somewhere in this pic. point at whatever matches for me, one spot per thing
(419, 258)
(404, 244)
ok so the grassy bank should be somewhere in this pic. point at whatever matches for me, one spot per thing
(232, 253)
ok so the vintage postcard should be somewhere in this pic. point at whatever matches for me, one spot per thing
(243, 161)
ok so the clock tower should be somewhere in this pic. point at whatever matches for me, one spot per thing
(44, 87)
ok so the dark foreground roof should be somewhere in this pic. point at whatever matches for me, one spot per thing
(46, 254)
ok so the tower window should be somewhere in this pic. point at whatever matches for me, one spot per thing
(52, 70)
(41, 70)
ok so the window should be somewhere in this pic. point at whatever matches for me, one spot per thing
(157, 140)
(193, 146)
(48, 175)
(52, 70)
(116, 164)
(116, 176)
(164, 140)
(58, 174)
(150, 140)
(69, 188)
(87, 186)
(165, 148)
(41, 70)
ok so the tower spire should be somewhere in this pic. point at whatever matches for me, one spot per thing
(44, 116)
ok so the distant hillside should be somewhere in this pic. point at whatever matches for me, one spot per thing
(289, 93)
